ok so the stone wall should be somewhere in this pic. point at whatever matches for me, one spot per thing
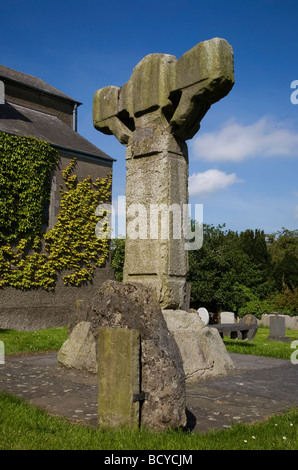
(35, 309)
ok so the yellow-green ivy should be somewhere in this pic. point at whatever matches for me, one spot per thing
(70, 248)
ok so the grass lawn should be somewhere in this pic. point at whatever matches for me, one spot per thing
(260, 346)
(23, 426)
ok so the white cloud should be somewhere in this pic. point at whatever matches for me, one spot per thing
(235, 142)
(210, 181)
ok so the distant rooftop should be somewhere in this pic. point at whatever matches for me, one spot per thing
(32, 82)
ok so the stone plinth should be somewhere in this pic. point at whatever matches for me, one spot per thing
(79, 350)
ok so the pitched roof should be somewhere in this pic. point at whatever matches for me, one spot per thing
(16, 119)
(32, 82)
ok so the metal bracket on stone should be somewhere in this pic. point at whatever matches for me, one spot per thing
(142, 396)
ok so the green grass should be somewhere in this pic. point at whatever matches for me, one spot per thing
(25, 427)
(16, 342)
(260, 346)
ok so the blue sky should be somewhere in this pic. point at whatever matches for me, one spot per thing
(244, 160)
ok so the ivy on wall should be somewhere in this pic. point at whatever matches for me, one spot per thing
(25, 166)
(29, 258)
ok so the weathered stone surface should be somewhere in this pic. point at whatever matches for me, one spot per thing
(79, 350)
(153, 114)
(155, 256)
(118, 377)
(183, 90)
(134, 306)
(203, 352)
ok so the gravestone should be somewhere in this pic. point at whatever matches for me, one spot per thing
(278, 329)
(249, 319)
(2, 353)
(153, 114)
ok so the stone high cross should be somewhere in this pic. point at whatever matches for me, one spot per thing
(153, 114)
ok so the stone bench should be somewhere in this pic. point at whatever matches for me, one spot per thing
(236, 330)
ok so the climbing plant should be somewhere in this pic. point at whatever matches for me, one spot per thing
(25, 166)
(29, 258)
